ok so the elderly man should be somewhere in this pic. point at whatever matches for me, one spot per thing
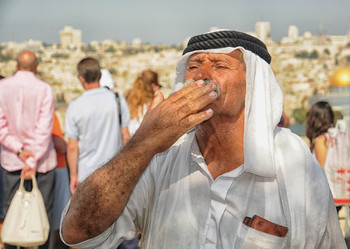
(234, 180)
(26, 117)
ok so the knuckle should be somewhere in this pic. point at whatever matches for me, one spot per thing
(189, 96)
(191, 104)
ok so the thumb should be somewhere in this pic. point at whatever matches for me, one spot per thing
(158, 98)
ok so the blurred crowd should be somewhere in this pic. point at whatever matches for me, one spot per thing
(96, 124)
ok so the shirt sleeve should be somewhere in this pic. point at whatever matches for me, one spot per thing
(6, 138)
(125, 111)
(71, 128)
(43, 127)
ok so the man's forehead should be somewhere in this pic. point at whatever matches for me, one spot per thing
(236, 54)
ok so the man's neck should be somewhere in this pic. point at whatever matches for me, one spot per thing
(221, 144)
(92, 85)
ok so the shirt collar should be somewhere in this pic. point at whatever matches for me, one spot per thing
(197, 157)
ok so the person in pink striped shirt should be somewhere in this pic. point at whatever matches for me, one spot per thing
(26, 117)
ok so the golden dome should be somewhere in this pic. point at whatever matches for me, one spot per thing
(341, 77)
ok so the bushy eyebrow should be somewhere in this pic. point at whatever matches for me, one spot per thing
(211, 57)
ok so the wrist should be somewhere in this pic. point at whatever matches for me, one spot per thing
(19, 151)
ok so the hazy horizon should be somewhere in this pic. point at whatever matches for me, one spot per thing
(167, 22)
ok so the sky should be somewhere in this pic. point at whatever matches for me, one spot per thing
(165, 21)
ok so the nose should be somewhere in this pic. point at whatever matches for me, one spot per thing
(202, 73)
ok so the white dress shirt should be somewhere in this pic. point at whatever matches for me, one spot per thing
(177, 204)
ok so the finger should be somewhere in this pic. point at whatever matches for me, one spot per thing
(186, 90)
(195, 119)
(158, 98)
(72, 190)
(192, 106)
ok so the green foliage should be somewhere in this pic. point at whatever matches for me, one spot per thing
(337, 115)
(110, 50)
(302, 54)
(300, 115)
(113, 71)
(60, 55)
(313, 55)
(305, 55)
(5, 57)
(348, 59)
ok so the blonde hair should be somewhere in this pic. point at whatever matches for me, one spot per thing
(141, 92)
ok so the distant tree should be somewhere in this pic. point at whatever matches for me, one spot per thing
(313, 55)
(326, 51)
(60, 55)
(303, 54)
(5, 57)
(110, 50)
(113, 71)
(348, 59)
(300, 115)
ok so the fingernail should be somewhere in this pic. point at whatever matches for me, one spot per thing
(209, 111)
(212, 94)
(200, 82)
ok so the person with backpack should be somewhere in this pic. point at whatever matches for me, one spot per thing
(92, 124)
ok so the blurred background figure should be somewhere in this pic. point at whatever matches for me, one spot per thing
(319, 118)
(2, 216)
(27, 150)
(140, 96)
(92, 124)
(284, 122)
(123, 110)
(62, 192)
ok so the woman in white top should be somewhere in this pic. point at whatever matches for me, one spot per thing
(140, 96)
(319, 118)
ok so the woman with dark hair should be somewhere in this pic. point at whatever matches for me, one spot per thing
(319, 118)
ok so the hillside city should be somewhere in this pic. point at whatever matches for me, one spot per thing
(303, 64)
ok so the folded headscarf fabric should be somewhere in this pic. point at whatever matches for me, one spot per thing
(106, 79)
(228, 38)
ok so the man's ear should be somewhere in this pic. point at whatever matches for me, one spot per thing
(81, 79)
(35, 70)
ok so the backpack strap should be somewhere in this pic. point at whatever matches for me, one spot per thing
(118, 105)
(119, 108)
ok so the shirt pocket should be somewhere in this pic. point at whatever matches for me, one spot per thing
(250, 238)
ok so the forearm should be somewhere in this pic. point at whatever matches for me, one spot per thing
(59, 144)
(7, 139)
(72, 158)
(104, 194)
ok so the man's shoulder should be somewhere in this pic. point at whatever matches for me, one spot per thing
(297, 161)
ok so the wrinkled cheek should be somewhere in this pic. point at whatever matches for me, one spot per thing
(188, 75)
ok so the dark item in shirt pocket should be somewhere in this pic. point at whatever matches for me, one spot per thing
(266, 226)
